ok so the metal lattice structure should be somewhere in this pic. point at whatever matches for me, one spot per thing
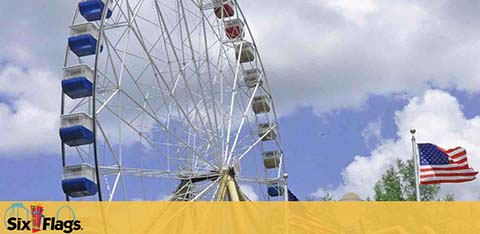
(177, 99)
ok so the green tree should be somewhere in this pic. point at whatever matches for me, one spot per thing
(398, 184)
(449, 197)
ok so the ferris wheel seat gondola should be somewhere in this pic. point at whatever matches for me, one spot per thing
(83, 45)
(77, 81)
(76, 129)
(77, 87)
(245, 52)
(275, 190)
(271, 159)
(234, 29)
(79, 180)
(92, 10)
(252, 77)
(79, 187)
(83, 39)
(224, 8)
(266, 132)
(76, 136)
(261, 104)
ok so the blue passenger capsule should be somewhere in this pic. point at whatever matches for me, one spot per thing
(92, 10)
(83, 45)
(77, 87)
(79, 187)
(76, 135)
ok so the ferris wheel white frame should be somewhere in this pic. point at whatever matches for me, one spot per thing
(226, 178)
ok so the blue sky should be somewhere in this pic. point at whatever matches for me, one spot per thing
(317, 148)
(349, 78)
(322, 147)
(313, 146)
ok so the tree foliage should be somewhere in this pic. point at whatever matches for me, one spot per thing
(398, 184)
(449, 197)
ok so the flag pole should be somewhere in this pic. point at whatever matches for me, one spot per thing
(415, 161)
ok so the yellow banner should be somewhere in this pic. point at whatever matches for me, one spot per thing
(244, 217)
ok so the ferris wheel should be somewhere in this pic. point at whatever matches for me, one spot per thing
(167, 100)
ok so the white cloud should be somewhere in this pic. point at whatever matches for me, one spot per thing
(35, 36)
(33, 45)
(355, 11)
(373, 132)
(328, 54)
(335, 54)
(28, 112)
(438, 117)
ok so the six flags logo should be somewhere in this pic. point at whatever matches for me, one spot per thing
(34, 220)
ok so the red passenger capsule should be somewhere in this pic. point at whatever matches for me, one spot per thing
(224, 9)
(234, 29)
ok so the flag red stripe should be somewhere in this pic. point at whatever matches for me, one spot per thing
(444, 169)
(451, 150)
(458, 162)
(446, 181)
(448, 174)
(457, 155)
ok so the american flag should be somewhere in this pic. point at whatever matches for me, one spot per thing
(444, 166)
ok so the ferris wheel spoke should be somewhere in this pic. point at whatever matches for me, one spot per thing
(197, 72)
(81, 152)
(239, 130)
(209, 188)
(136, 83)
(117, 6)
(132, 54)
(160, 15)
(112, 64)
(245, 117)
(148, 21)
(107, 101)
(141, 134)
(156, 173)
(84, 101)
(124, 185)
(166, 130)
(110, 147)
(256, 142)
(112, 192)
(194, 188)
(158, 74)
(223, 51)
(232, 102)
(132, 13)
